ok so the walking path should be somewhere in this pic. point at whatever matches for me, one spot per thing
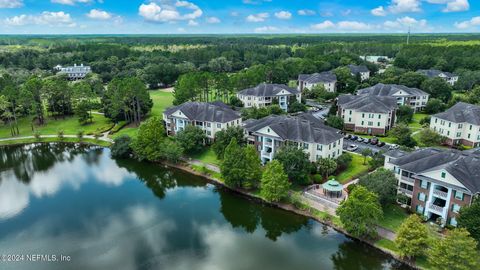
(104, 137)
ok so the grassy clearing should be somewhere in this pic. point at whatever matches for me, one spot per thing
(47, 140)
(206, 156)
(393, 216)
(206, 171)
(161, 101)
(415, 124)
(355, 170)
(69, 125)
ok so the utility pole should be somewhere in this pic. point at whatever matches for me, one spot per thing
(408, 36)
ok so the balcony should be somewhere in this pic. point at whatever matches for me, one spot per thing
(405, 191)
(407, 179)
(436, 209)
(440, 194)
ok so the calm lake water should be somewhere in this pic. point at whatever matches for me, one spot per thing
(99, 213)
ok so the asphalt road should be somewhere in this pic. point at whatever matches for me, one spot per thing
(362, 145)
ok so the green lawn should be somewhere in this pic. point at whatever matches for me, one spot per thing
(355, 170)
(44, 140)
(206, 156)
(387, 244)
(393, 216)
(386, 139)
(69, 125)
(415, 124)
(161, 101)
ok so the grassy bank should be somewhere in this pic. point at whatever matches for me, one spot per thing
(69, 125)
(354, 170)
(55, 139)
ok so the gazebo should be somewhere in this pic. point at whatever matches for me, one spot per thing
(332, 188)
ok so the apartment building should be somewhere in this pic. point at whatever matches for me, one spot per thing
(304, 131)
(460, 124)
(267, 94)
(74, 72)
(412, 97)
(436, 183)
(450, 78)
(308, 81)
(361, 71)
(210, 117)
(373, 115)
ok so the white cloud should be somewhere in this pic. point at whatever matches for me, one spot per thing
(475, 21)
(266, 29)
(260, 17)
(456, 6)
(11, 3)
(306, 12)
(402, 6)
(353, 26)
(405, 22)
(162, 12)
(192, 23)
(46, 18)
(213, 20)
(323, 25)
(70, 2)
(255, 2)
(98, 14)
(379, 11)
(283, 15)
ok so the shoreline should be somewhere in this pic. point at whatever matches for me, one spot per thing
(287, 207)
(241, 192)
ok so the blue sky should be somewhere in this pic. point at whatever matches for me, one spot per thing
(237, 16)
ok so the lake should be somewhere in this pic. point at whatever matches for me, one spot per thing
(74, 207)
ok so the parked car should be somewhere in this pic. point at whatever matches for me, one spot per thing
(393, 146)
(354, 138)
(381, 144)
(352, 147)
(360, 139)
(347, 137)
(366, 140)
(374, 141)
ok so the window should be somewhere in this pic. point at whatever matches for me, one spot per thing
(422, 197)
(455, 208)
(370, 123)
(219, 125)
(335, 144)
(379, 116)
(460, 125)
(350, 112)
(450, 124)
(420, 209)
(453, 222)
(459, 195)
(363, 115)
(209, 124)
(423, 184)
(378, 124)
(305, 146)
(319, 147)
(209, 133)
(459, 134)
(444, 174)
(362, 123)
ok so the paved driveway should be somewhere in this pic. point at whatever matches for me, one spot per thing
(361, 146)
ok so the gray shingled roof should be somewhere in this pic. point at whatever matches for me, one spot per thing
(464, 166)
(202, 111)
(297, 129)
(432, 73)
(461, 113)
(324, 77)
(395, 153)
(367, 103)
(381, 89)
(267, 90)
(357, 69)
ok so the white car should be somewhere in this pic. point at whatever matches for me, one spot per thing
(352, 147)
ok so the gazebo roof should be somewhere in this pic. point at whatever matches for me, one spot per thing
(333, 186)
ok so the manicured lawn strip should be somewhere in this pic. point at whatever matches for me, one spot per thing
(393, 216)
(205, 170)
(69, 125)
(355, 170)
(206, 156)
(387, 139)
(130, 131)
(387, 244)
(47, 140)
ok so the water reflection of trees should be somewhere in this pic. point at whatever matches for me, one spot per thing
(26, 160)
(350, 257)
(245, 214)
(159, 178)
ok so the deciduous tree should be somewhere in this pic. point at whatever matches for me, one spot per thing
(412, 237)
(383, 183)
(274, 185)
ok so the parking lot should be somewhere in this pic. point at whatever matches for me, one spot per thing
(361, 145)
